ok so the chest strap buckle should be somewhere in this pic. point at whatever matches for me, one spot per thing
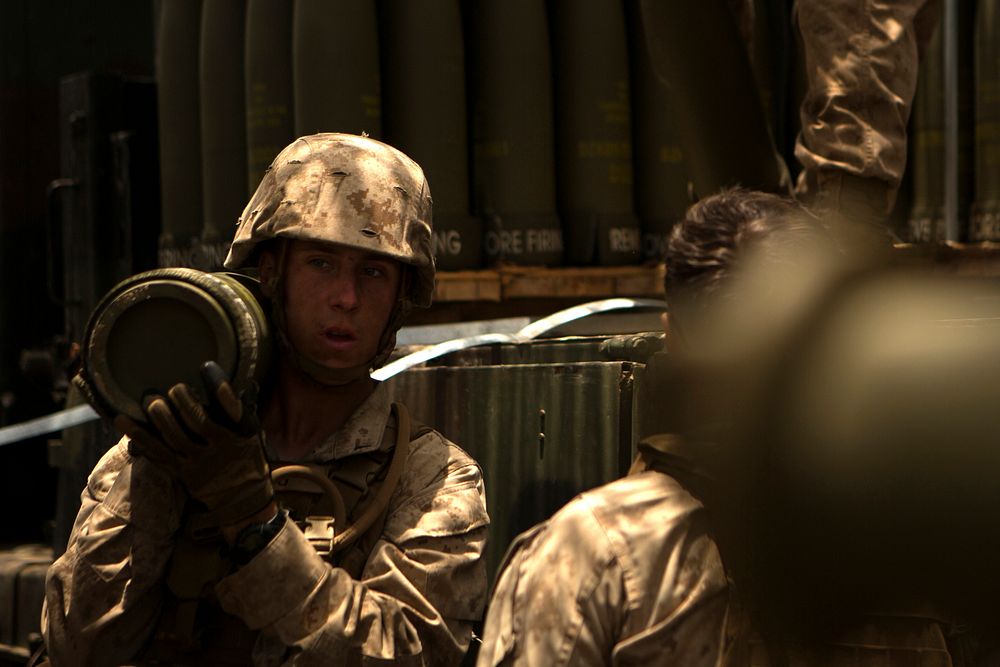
(319, 531)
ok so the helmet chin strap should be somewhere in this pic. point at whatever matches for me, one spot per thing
(330, 377)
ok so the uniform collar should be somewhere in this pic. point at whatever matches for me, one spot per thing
(364, 431)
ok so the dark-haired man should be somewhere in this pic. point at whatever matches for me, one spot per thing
(631, 572)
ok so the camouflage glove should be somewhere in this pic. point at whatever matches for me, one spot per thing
(215, 452)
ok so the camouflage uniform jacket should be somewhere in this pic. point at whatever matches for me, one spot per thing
(624, 574)
(421, 586)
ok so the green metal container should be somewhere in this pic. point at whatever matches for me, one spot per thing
(425, 116)
(593, 132)
(179, 28)
(223, 135)
(157, 328)
(268, 78)
(22, 589)
(335, 67)
(514, 187)
(546, 419)
(661, 173)
(542, 432)
(565, 349)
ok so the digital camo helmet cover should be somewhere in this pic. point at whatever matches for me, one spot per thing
(345, 189)
(352, 191)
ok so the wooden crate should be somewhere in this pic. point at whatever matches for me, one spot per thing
(529, 282)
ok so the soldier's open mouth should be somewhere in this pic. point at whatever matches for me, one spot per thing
(339, 335)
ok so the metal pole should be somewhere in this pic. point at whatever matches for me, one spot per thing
(951, 120)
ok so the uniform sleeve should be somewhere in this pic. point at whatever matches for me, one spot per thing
(422, 587)
(103, 595)
(559, 599)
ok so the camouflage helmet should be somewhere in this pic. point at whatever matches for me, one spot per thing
(349, 190)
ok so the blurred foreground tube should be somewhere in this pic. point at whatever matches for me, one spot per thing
(863, 476)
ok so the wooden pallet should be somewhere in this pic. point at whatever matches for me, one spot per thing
(535, 282)
(970, 259)
(522, 282)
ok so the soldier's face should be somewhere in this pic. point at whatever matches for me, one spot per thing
(338, 301)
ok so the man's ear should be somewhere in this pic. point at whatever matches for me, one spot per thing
(668, 338)
(267, 267)
(407, 277)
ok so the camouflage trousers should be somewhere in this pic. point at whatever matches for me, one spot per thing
(861, 60)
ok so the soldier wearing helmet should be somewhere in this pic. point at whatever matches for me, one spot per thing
(339, 230)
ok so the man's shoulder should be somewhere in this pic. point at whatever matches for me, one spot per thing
(637, 513)
(431, 451)
(440, 492)
(110, 465)
(642, 527)
(436, 465)
(652, 496)
(632, 526)
(428, 440)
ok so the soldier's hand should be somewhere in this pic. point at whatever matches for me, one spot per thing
(215, 451)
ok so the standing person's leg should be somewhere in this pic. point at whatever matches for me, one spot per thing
(861, 59)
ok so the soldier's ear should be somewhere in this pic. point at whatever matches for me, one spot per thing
(267, 267)
(665, 321)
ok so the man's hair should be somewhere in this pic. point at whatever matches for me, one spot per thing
(707, 247)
